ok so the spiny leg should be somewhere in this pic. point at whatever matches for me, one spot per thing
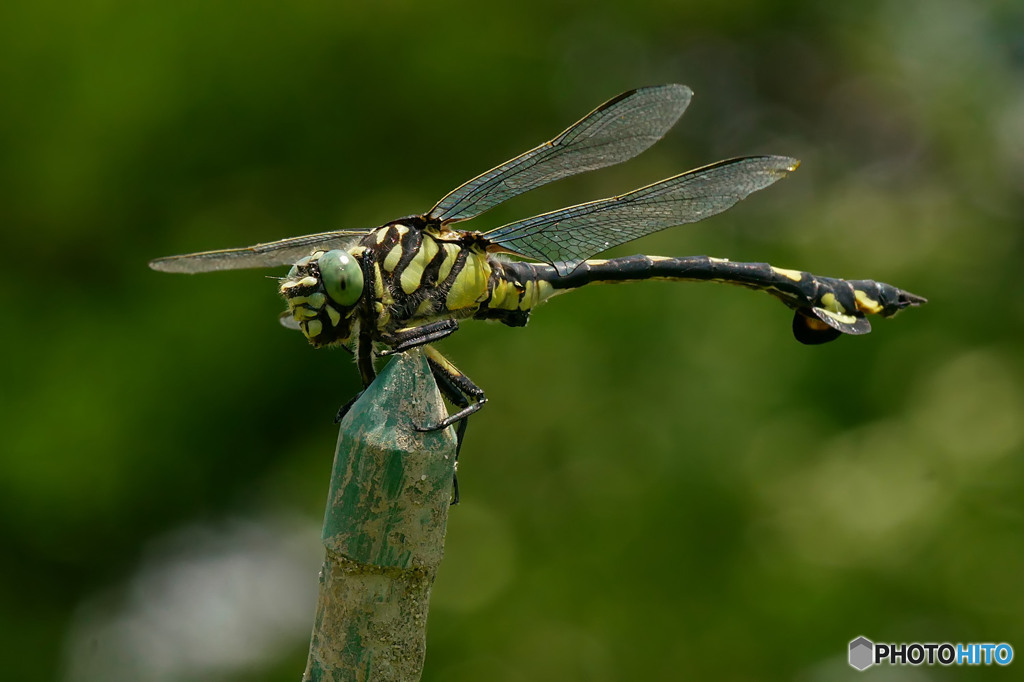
(457, 388)
(343, 410)
(402, 340)
(364, 358)
(441, 366)
(453, 394)
(364, 361)
(450, 391)
(364, 340)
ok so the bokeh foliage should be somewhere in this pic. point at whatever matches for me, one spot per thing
(665, 485)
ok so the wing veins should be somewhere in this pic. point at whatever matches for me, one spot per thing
(567, 237)
(615, 132)
(265, 255)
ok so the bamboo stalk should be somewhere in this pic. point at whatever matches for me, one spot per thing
(384, 529)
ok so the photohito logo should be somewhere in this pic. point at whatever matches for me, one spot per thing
(864, 653)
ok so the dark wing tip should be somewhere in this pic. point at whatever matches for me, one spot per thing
(674, 91)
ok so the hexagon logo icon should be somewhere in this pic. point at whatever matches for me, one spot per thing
(862, 653)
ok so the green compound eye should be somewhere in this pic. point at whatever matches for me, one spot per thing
(342, 277)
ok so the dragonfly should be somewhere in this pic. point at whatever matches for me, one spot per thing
(410, 282)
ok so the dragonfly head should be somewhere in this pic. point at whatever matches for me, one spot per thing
(323, 291)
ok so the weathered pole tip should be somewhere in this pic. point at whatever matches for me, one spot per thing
(387, 511)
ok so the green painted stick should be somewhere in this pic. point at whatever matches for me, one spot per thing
(384, 529)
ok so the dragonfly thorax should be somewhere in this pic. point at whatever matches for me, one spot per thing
(323, 291)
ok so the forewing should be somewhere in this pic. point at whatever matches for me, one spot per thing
(567, 237)
(616, 131)
(283, 252)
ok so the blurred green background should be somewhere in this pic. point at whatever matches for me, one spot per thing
(665, 485)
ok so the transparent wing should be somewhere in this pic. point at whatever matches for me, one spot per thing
(616, 131)
(567, 237)
(283, 252)
(288, 322)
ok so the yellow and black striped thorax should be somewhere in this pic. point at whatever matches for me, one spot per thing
(416, 273)
(421, 273)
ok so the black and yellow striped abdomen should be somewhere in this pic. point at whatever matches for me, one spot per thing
(825, 306)
(790, 286)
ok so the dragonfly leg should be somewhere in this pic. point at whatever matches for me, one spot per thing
(452, 393)
(364, 359)
(457, 388)
(455, 381)
(343, 410)
(404, 339)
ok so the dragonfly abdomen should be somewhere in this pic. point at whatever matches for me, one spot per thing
(827, 306)
(513, 290)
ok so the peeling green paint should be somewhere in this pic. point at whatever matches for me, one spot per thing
(387, 511)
